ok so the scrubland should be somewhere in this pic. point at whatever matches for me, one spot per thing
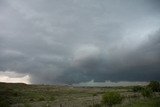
(23, 95)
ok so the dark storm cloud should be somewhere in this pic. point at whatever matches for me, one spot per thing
(80, 40)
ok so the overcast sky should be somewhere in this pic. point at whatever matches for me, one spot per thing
(74, 41)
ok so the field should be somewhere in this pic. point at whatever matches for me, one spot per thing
(23, 95)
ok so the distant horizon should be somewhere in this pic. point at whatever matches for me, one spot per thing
(92, 83)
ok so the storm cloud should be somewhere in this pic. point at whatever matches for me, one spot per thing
(76, 41)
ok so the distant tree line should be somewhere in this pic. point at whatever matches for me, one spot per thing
(147, 91)
(154, 86)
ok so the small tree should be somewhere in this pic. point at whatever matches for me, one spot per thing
(146, 92)
(137, 88)
(111, 98)
(154, 86)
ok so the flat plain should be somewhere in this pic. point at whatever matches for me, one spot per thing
(23, 95)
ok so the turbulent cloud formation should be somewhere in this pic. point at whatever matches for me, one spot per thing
(76, 41)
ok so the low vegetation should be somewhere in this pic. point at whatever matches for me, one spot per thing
(137, 88)
(154, 86)
(111, 98)
(22, 95)
(146, 92)
(150, 102)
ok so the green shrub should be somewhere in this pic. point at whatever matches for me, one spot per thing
(137, 89)
(146, 92)
(27, 105)
(155, 86)
(94, 94)
(31, 99)
(111, 98)
(52, 98)
(41, 99)
(4, 104)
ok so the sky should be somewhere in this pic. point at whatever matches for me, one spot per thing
(76, 41)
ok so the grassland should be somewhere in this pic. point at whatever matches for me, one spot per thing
(22, 95)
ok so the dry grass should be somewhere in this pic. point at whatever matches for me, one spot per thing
(22, 95)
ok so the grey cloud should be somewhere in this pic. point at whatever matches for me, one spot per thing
(80, 40)
(141, 64)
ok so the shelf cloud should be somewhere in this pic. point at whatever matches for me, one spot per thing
(76, 41)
